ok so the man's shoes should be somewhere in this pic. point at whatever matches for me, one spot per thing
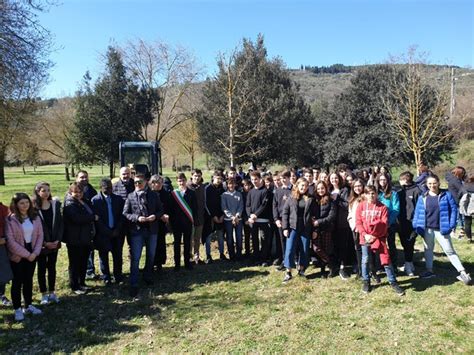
(133, 291)
(464, 277)
(288, 277)
(32, 310)
(44, 300)
(343, 274)
(53, 298)
(366, 287)
(19, 316)
(397, 289)
(427, 275)
(5, 301)
(376, 278)
(301, 274)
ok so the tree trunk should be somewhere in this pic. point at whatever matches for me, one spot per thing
(192, 160)
(2, 167)
(23, 168)
(66, 172)
(111, 169)
(72, 170)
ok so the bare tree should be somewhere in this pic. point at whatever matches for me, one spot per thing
(187, 137)
(167, 74)
(417, 111)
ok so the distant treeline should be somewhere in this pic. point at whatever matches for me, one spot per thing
(332, 69)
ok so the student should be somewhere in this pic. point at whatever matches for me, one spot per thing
(24, 242)
(323, 176)
(196, 184)
(390, 199)
(455, 179)
(157, 186)
(246, 187)
(372, 225)
(297, 224)
(466, 205)
(142, 210)
(5, 270)
(356, 197)
(280, 196)
(324, 226)
(232, 204)
(182, 211)
(308, 175)
(109, 229)
(214, 217)
(79, 232)
(259, 210)
(408, 195)
(435, 218)
(49, 211)
(342, 235)
(423, 173)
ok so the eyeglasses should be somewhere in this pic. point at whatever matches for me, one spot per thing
(154, 182)
(138, 182)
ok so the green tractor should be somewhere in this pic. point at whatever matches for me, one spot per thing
(143, 157)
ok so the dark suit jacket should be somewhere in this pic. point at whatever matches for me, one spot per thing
(103, 233)
(135, 207)
(177, 217)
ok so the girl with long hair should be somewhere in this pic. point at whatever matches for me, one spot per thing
(24, 242)
(355, 197)
(297, 225)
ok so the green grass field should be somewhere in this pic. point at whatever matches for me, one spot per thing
(232, 307)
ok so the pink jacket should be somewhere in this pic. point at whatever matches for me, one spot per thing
(16, 241)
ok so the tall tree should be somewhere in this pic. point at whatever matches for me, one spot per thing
(418, 112)
(24, 49)
(110, 112)
(166, 74)
(250, 109)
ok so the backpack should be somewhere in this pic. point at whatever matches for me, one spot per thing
(466, 204)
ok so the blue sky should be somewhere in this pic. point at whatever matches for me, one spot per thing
(350, 32)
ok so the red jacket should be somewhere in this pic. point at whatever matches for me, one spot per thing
(372, 219)
(16, 241)
(4, 212)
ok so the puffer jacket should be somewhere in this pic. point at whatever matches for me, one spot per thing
(448, 213)
(393, 206)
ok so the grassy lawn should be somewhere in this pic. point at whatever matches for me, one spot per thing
(233, 307)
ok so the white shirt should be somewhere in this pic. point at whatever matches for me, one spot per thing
(27, 230)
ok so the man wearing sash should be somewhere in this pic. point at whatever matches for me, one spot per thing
(183, 218)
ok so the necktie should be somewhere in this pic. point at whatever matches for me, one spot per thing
(111, 215)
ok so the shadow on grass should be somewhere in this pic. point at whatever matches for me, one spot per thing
(105, 314)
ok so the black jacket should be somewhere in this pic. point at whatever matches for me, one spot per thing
(280, 196)
(143, 206)
(342, 204)
(454, 186)
(408, 195)
(177, 217)
(259, 202)
(213, 200)
(290, 215)
(123, 189)
(326, 216)
(79, 226)
(89, 192)
(104, 234)
(57, 230)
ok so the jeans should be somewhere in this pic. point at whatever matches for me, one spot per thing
(446, 245)
(229, 232)
(296, 239)
(197, 236)
(366, 256)
(47, 262)
(220, 241)
(137, 240)
(90, 263)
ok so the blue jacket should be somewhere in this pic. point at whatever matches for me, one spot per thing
(393, 206)
(448, 213)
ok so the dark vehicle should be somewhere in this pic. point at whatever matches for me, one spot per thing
(144, 156)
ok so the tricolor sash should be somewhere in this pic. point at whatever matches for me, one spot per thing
(179, 198)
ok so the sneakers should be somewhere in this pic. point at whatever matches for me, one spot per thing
(79, 291)
(5, 301)
(53, 298)
(44, 300)
(19, 316)
(376, 278)
(32, 310)
(409, 268)
(332, 273)
(280, 267)
(366, 287)
(301, 274)
(208, 260)
(90, 276)
(343, 274)
(464, 277)
(397, 289)
(288, 277)
(427, 275)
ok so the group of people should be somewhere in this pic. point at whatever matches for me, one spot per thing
(341, 222)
